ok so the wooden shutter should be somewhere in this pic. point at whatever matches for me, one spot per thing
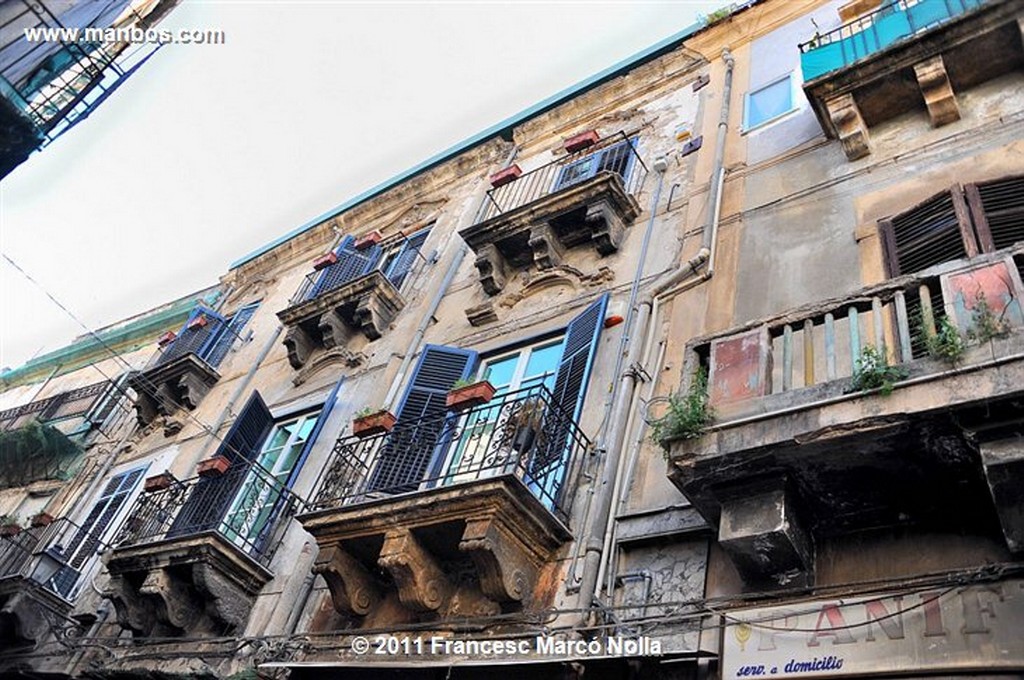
(230, 331)
(195, 340)
(935, 231)
(998, 211)
(578, 351)
(211, 496)
(421, 417)
(321, 420)
(406, 258)
(351, 265)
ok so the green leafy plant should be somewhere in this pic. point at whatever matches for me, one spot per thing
(366, 412)
(985, 325)
(688, 414)
(462, 382)
(873, 372)
(946, 343)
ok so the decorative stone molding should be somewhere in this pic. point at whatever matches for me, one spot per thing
(481, 315)
(937, 92)
(331, 357)
(365, 305)
(188, 586)
(461, 550)
(849, 126)
(595, 211)
(167, 387)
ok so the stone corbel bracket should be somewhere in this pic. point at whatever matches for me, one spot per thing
(365, 305)
(163, 389)
(594, 212)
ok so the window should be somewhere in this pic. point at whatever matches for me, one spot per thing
(617, 158)
(256, 501)
(394, 260)
(208, 335)
(768, 102)
(94, 530)
(954, 224)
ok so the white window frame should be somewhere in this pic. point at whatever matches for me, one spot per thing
(794, 102)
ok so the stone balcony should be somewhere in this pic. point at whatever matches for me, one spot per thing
(466, 529)
(906, 56)
(797, 453)
(587, 198)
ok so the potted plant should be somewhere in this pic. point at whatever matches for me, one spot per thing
(41, 519)
(465, 394)
(509, 174)
(197, 322)
(581, 141)
(159, 482)
(9, 525)
(214, 467)
(369, 421)
(324, 261)
(368, 240)
(524, 424)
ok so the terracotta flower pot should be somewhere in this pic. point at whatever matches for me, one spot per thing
(324, 261)
(159, 482)
(509, 174)
(375, 423)
(214, 467)
(581, 141)
(370, 239)
(198, 322)
(42, 519)
(462, 398)
(9, 529)
(167, 338)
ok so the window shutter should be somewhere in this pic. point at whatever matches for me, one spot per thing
(407, 454)
(321, 420)
(616, 158)
(351, 265)
(211, 496)
(998, 211)
(578, 351)
(928, 234)
(87, 539)
(406, 258)
(230, 331)
(194, 340)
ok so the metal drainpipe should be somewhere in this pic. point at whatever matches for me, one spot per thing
(215, 428)
(619, 405)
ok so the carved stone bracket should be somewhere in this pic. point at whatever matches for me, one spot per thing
(937, 91)
(353, 589)
(504, 570)
(850, 126)
(422, 585)
(595, 212)
(165, 388)
(481, 315)
(365, 305)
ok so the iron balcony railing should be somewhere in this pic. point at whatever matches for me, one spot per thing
(523, 433)
(246, 505)
(875, 31)
(616, 154)
(103, 405)
(69, 543)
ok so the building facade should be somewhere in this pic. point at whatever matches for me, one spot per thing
(709, 367)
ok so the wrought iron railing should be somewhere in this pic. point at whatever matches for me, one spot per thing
(875, 31)
(524, 433)
(616, 155)
(61, 538)
(103, 405)
(246, 505)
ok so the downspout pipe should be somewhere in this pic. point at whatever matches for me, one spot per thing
(622, 400)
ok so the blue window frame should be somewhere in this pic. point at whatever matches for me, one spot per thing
(769, 102)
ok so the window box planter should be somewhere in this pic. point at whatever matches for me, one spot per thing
(324, 261)
(214, 467)
(159, 482)
(167, 338)
(374, 423)
(198, 322)
(42, 519)
(12, 529)
(371, 239)
(509, 174)
(581, 141)
(468, 396)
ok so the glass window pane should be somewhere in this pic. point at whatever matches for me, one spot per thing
(543, 361)
(769, 102)
(500, 372)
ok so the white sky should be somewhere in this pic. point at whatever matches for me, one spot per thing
(209, 152)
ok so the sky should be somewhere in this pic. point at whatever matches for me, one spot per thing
(210, 151)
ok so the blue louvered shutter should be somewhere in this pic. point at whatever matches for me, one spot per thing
(421, 416)
(194, 340)
(211, 496)
(578, 351)
(406, 258)
(351, 265)
(230, 331)
(321, 420)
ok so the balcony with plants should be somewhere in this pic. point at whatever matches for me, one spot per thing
(906, 55)
(354, 289)
(482, 488)
(896, 405)
(585, 198)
